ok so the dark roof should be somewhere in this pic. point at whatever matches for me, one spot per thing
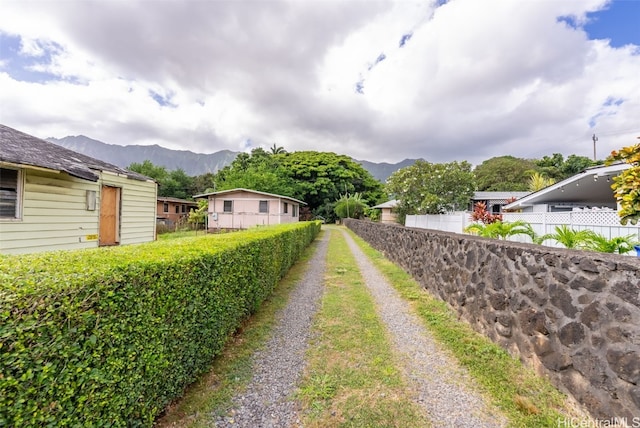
(175, 200)
(23, 149)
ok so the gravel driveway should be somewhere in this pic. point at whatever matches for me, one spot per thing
(440, 386)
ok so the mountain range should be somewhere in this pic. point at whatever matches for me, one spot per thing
(191, 163)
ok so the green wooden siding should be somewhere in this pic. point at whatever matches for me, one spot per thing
(138, 201)
(54, 214)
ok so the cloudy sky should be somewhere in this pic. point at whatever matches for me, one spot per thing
(380, 80)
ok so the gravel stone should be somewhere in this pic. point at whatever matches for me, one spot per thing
(440, 386)
(278, 366)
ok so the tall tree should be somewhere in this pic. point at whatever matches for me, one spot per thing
(317, 178)
(204, 183)
(557, 168)
(277, 150)
(259, 171)
(428, 188)
(551, 166)
(176, 183)
(149, 169)
(504, 173)
(575, 164)
(322, 177)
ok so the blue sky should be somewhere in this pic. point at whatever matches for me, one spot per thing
(439, 80)
(620, 22)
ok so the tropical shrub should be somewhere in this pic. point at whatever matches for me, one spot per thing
(499, 229)
(618, 244)
(108, 337)
(538, 181)
(350, 206)
(626, 186)
(571, 238)
(481, 214)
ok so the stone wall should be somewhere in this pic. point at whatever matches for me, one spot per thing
(572, 315)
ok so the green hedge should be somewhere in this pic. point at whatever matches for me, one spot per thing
(108, 337)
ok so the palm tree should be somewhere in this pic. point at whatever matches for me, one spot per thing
(535, 238)
(571, 238)
(538, 181)
(276, 150)
(618, 245)
(499, 229)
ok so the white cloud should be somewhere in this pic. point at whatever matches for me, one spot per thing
(476, 79)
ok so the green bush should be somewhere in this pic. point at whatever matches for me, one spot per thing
(108, 337)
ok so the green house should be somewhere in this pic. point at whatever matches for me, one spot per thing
(52, 198)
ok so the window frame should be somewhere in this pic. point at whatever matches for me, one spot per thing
(263, 207)
(19, 194)
(165, 207)
(229, 208)
(285, 208)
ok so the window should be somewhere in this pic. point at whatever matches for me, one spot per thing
(165, 207)
(228, 207)
(177, 209)
(286, 208)
(294, 209)
(10, 193)
(184, 208)
(264, 207)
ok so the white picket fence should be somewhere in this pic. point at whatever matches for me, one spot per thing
(606, 223)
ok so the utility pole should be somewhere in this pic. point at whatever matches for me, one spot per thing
(594, 138)
(347, 196)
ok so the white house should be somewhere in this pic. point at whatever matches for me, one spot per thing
(589, 189)
(52, 198)
(583, 201)
(244, 208)
(495, 201)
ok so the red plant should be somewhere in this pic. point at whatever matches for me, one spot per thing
(481, 214)
(509, 200)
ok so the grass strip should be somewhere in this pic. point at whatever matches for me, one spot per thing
(231, 371)
(526, 399)
(352, 379)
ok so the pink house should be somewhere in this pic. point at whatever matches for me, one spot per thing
(244, 208)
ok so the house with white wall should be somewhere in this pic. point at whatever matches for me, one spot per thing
(588, 190)
(244, 208)
(52, 198)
